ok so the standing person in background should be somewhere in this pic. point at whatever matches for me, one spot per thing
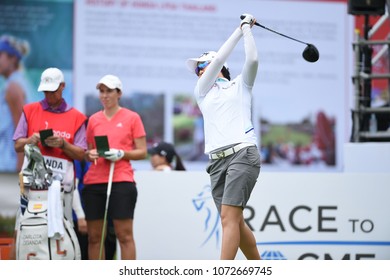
(230, 139)
(127, 141)
(68, 124)
(68, 142)
(13, 96)
(162, 156)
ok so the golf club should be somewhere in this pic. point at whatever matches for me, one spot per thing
(112, 166)
(310, 53)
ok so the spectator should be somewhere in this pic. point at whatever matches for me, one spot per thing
(127, 140)
(162, 156)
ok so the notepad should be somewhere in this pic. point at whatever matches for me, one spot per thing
(102, 145)
(45, 134)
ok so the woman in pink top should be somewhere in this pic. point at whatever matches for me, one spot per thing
(127, 141)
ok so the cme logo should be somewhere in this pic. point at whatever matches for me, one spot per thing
(205, 207)
(272, 255)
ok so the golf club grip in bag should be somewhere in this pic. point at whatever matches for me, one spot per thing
(32, 241)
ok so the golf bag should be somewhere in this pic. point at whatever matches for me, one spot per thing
(36, 239)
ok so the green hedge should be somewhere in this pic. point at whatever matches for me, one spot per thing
(7, 226)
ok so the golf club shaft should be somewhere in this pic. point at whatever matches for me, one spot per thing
(258, 24)
(110, 176)
(103, 235)
(266, 28)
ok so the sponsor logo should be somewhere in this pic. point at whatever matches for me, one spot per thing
(37, 206)
(62, 134)
(273, 255)
(204, 205)
(58, 133)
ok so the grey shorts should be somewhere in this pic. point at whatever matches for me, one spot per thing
(234, 177)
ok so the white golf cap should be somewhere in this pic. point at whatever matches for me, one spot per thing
(192, 63)
(51, 79)
(111, 82)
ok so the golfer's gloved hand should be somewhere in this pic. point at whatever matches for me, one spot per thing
(247, 19)
(114, 154)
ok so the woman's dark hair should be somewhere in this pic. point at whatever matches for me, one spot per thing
(179, 163)
(225, 72)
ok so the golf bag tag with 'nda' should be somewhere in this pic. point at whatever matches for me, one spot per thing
(33, 241)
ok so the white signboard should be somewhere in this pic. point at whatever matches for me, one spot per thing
(293, 216)
(146, 44)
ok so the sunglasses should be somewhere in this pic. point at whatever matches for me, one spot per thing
(201, 66)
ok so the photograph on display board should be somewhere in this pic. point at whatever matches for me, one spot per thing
(288, 89)
(310, 142)
(25, 30)
(188, 128)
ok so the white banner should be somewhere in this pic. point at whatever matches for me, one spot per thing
(300, 108)
(293, 216)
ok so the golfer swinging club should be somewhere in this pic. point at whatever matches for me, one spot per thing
(230, 139)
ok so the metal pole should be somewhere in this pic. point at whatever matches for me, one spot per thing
(367, 68)
(358, 87)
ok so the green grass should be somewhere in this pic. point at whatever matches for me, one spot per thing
(183, 121)
(285, 134)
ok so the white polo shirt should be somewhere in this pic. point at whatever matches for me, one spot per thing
(227, 114)
(226, 105)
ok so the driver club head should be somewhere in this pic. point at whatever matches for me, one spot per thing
(310, 53)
